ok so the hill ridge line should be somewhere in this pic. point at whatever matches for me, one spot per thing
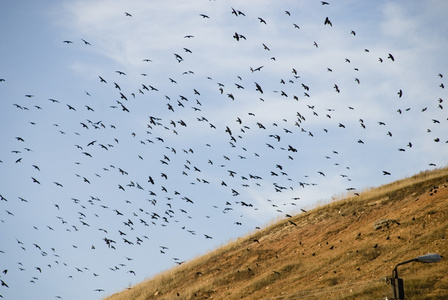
(335, 245)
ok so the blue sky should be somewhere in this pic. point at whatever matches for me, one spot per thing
(221, 167)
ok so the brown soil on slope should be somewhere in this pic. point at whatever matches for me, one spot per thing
(335, 251)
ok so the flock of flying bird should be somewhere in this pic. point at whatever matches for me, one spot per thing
(166, 148)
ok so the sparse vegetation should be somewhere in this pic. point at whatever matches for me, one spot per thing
(334, 252)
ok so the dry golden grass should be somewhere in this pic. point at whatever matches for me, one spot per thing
(330, 252)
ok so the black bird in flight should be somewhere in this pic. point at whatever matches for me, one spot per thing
(258, 88)
(178, 57)
(337, 88)
(238, 36)
(328, 22)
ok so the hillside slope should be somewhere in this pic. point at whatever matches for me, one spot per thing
(342, 250)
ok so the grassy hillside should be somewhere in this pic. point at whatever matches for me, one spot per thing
(336, 251)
